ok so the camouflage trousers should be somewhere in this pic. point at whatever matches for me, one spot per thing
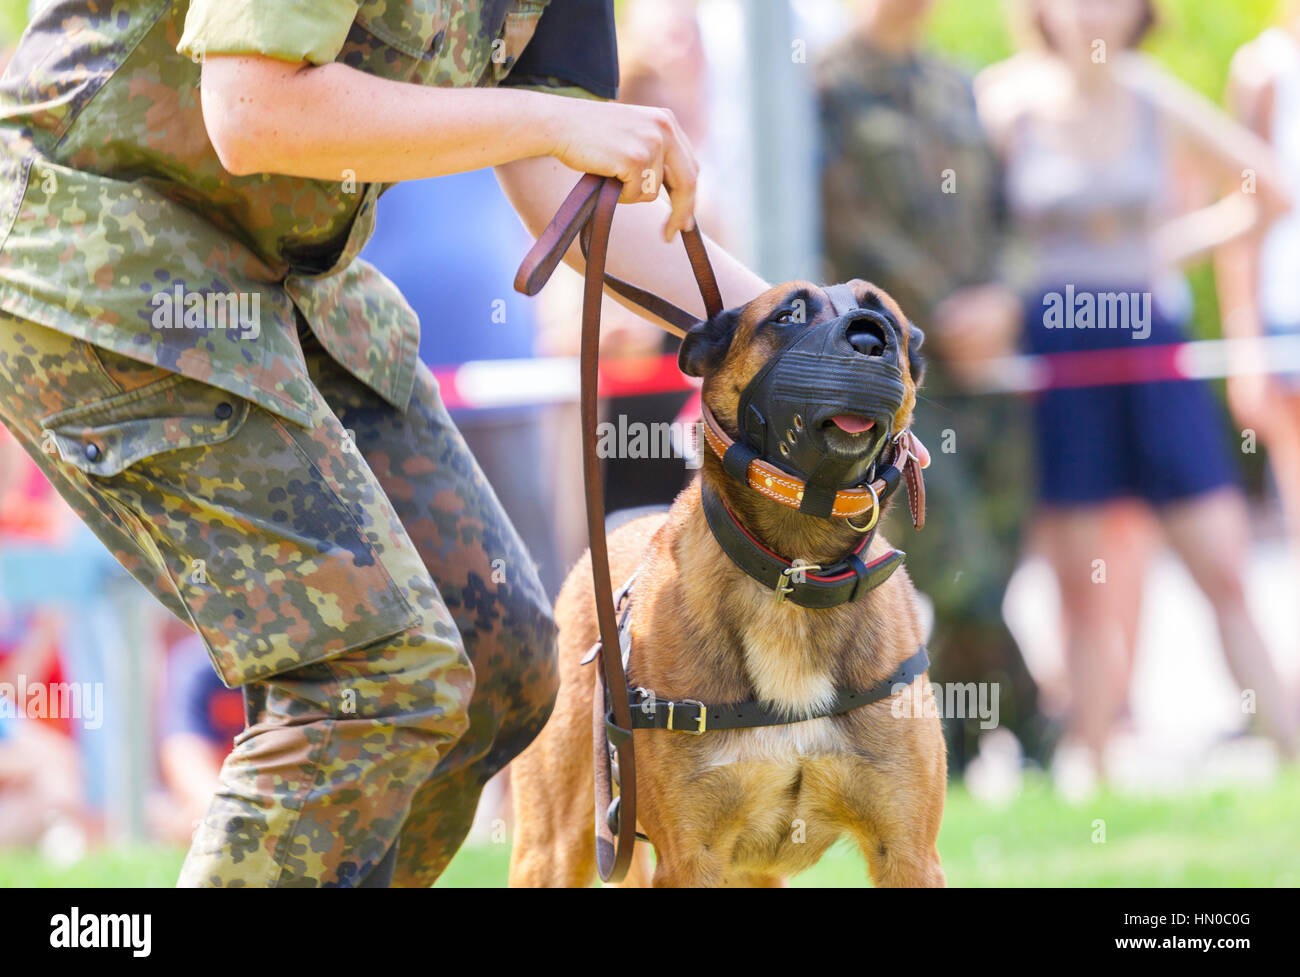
(358, 578)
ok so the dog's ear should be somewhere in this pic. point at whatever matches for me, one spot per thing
(705, 346)
(915, 361)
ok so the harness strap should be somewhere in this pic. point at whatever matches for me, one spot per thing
(693, 716)
(808, 586)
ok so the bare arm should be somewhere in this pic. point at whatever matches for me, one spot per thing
(332, 121)
(1225, 154)
(1236, 265)
(637, 253)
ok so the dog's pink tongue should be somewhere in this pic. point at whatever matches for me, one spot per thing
(851, 424)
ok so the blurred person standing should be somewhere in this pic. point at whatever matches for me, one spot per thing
(1095, 141)
(910, 201)
(663, 65)
(40, 771)
(57, 580)
(1258, 276)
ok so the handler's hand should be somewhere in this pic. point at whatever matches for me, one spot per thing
(643, 147)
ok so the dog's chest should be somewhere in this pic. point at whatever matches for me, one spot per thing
(780, 663)
(771, 801)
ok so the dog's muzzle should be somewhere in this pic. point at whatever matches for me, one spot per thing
(849, 365)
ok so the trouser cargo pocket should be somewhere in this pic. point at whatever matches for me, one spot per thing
(275, 567)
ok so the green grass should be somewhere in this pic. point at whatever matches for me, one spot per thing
(1243, 836)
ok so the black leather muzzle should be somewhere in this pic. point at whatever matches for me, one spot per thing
(846, 365)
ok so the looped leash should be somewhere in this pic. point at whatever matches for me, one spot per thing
(574, 220)
(587, 214)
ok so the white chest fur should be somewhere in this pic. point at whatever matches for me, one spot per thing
(777, 662)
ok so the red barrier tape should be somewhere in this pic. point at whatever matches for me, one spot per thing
(531, 382)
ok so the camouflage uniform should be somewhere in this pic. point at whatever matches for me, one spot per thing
(911, 200)
(289, 484)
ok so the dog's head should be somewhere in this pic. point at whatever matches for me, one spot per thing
(814, 389)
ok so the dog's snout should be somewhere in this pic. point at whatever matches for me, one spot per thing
(867, 335)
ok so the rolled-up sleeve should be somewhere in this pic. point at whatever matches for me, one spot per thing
(287, 30)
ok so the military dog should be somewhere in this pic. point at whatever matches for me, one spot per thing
(751, 806)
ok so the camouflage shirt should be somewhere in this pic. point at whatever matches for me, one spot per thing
(115, 211)
(910, 185)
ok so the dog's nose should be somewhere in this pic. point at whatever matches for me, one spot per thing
(867, 335)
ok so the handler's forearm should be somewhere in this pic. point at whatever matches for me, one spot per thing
(639, 254)
(637, 251)
(265, 116)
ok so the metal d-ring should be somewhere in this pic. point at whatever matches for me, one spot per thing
(875, 513)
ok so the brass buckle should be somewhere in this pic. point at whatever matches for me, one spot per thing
(785, 585)
(701, 720)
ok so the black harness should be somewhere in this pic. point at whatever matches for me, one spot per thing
(695, 717)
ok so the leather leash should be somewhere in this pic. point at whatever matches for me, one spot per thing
(587, 214)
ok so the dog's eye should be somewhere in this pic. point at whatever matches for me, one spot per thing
(784, 318)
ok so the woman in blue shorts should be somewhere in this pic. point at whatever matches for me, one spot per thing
(1097, 143)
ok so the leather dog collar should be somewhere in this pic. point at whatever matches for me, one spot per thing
(743, 464)
(806, 585)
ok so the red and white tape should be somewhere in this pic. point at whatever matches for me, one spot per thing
(481, 384)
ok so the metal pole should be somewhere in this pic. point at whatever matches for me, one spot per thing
(782, 112)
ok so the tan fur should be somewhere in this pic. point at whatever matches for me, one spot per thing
(741, 807)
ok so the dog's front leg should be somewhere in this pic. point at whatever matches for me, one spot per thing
(902, 865)
(697, 868)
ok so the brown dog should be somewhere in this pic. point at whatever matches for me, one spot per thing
(747, 807)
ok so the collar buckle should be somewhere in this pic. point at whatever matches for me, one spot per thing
(785, 585)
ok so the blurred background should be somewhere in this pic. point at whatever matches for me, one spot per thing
(1113, 542)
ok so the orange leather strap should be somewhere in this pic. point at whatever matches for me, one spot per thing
(780, 486)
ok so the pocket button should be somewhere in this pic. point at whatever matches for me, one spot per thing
(223, 411)
(92, 452)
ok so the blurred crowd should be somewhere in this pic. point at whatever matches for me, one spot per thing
(1076, 166)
